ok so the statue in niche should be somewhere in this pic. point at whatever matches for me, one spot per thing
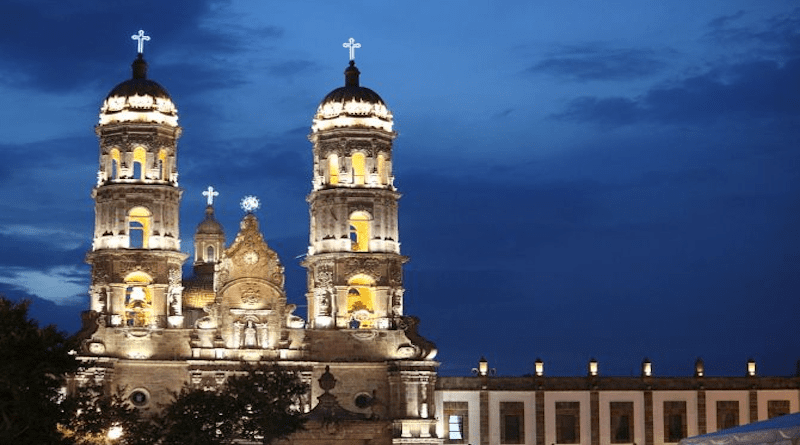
(250, 335)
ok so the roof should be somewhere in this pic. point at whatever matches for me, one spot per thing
(779, 430)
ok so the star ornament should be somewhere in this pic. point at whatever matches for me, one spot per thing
(250, 204)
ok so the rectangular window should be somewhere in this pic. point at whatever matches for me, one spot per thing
(727, 414)
(621, 422)
(456, 415)
(777, 408)
(674, 421)
(568, 426)
(512, 426)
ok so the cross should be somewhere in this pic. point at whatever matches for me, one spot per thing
(141, 38)
(210, 193)
(352, 45)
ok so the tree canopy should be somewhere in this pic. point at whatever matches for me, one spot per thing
(34, 363)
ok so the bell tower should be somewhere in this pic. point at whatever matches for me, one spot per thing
(355, 276)
(135, 257)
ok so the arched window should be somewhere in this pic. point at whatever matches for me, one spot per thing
(333, 169)
(383, 177)
(359, 168)
(114, 155)
(210, 258)
(162, 164)
(359, 231)
(139, 162)
(138, 228)
(138, 300)
(361, 301)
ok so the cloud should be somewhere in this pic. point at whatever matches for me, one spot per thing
(595, 62)
(778, 36)
(58, 284)
(755, 90)
(90, 35)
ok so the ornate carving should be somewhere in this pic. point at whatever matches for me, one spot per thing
(251, 295)
(368, 266)
(427, 349)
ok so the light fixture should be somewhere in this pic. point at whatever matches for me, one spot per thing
(115, 432)
(751, 368)
(699, 368)
(539, 367)
(647, 368)
(483, 366)
(593, 367)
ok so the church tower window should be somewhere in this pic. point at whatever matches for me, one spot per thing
(210, 258)
(138, 228)
(333, 170)
(359, 231)
(138, 300)
(359, 168)
(360, 301)
(382, 176)
(114, 155)
(162, 164)
(139, 162)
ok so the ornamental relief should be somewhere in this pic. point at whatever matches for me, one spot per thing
(368, 266)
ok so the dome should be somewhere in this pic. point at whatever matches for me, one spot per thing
(139, 99)
(352, 106)
(210, 225)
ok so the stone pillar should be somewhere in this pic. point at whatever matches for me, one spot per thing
(753, 399)
(701, 411)
(648, 417)
(594, 416)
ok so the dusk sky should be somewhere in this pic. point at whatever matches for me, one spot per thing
(607, 179)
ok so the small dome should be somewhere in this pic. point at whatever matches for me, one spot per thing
(139, 99)
(352, 106)
(210, 225)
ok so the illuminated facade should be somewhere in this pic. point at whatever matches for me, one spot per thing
(150, 331)
(373, 378)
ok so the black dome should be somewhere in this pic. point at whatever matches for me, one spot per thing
(352, 90)
(139, 84)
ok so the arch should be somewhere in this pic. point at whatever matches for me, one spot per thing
(138, 228)
(383, 177)
(359, 231)
(138, 299)
(210, 257)
(333, 169)
(114, 155)
(139, 162)
(162, 164)
(359, 168)
(361, 301)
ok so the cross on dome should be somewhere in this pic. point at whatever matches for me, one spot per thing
(352, 45)
(210, 194)
(141, 38)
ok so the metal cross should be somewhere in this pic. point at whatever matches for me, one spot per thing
(352, 45)
(141, 38)
(210, 194)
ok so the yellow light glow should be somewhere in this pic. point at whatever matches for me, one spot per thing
(355, 113)
(115, 432)
(138, 108)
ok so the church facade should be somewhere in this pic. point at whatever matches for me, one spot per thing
(150, 331)
(372, 377)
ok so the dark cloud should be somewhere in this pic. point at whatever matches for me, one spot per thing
(749, 91)
(84, 42)
(587, 63)
(777, 37)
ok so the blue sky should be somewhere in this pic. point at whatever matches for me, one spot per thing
(580, 179)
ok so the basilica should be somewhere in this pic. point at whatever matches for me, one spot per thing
(373, 378)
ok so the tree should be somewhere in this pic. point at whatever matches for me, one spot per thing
(34, 362)
(93, 414)
(259, 405)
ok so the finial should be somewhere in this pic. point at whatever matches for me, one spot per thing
(351, 45)
(250, 204)
(210, 193)
(351, 75)
(141, 38)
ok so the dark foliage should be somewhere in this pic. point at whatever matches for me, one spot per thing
(31, 376)
(259, 405)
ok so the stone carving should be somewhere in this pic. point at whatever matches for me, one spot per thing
(427, 349)
(251, 295)
(368, 266)
(209, 321)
